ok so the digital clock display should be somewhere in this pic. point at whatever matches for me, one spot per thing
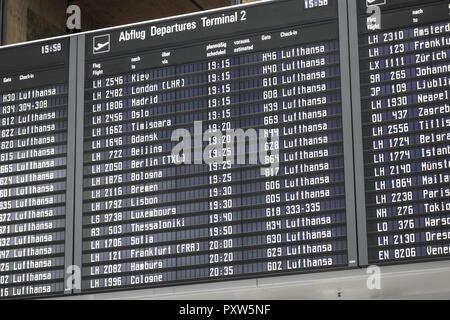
(51, 48)
(309, 4)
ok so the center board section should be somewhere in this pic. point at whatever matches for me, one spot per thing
(149, 216)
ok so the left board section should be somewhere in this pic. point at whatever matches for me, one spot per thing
(36, 144)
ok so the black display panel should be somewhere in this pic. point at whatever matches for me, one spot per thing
(33, 168)
(148, 219)
(346, 121)
(404, 74)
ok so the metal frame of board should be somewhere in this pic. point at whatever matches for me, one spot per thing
(416, 281)
(78, 216)
(70, 191)
(347, 135)
(2, 22)
(357, 138)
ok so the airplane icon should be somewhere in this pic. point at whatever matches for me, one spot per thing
(101, 44)
(375, 2)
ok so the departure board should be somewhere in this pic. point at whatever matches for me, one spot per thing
(274, 138)
(33, 168)
(152, 217)
(405, 114)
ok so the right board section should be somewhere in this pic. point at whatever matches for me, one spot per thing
(401, 116)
